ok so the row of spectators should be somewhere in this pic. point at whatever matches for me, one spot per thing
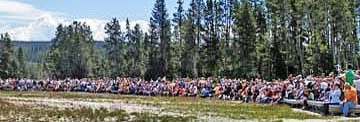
(329, 89)
(257, 90)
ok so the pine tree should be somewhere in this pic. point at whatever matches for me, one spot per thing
(187, 56)
(227, 6)
(22, 68)
(296, 32)
(152, 47)
(198, 6)
(102, 65)
(211, 38)
(137, 39)
(177, 46)
(318, 53)
(161, 20)
(115, 48)
(131, 51)
(53, 56)
(278, 67)
(262, 43)
(144, 54)
(7, 61)
(244, 41)
(72, 52)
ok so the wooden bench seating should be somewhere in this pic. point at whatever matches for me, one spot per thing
(292, 102)
(335, 109)
(318, 106)
(316, 103)
(321, 107)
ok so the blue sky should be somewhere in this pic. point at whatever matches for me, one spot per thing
(102, 9)
(36, 19)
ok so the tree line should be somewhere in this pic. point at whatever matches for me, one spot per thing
(232, 38)
(12, 61)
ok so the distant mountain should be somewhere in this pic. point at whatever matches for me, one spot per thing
(36, 50)
(45, 43)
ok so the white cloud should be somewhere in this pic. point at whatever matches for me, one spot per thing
(27, 23)
(21, 11)
(44, 27)
(39, 29)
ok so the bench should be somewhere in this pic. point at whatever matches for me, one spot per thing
(292, 102)
(335, 109)
(323, 107)
(318, 106)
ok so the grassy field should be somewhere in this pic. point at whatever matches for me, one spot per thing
(185, 109)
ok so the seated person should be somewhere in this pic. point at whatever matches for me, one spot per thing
(192, 90)
(205, 92)
(114, 88)
(300, 92)
(350, 99)
(335, 93)
(217, 90)
(225, 92)
(132, 89)
(181, 91)
(324, 95)
(276, 97)
(263, 96)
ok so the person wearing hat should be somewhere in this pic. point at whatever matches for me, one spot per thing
(350, 99)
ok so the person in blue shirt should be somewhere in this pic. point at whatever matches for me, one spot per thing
(335, 93)
(205, 92)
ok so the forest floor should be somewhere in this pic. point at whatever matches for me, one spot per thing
(71, 106)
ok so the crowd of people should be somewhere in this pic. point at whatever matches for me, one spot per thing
(339, 89)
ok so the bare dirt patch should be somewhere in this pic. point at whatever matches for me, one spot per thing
(110, 105)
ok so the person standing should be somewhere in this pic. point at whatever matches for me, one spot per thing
(350, 75)
(350, 99)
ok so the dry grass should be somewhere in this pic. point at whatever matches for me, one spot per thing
(192, 107)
